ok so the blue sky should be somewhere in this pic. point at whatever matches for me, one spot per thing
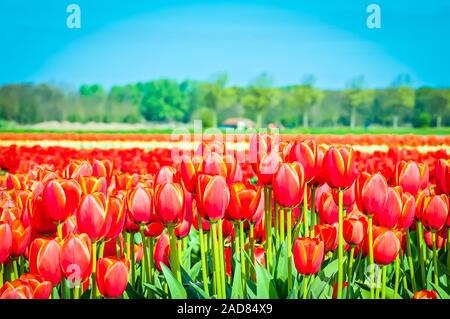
(136, 40)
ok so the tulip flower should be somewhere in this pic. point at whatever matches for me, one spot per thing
(189, 168)
(348, 196)
(212, 197)
(425, 294)
(75, 258)
(167, 174)
(328, 235)
(371, 193)
(394, 212)
(21, 238)
(162, 251)
(339, 167)
(386, 246)
(354, 230)
(26, 287)
(441, 238)
(304, 153)
(44, 259)
(435, 212)
(169, 203)
(442, 176)
(327, 208)
(103, 168)
(112, 276)
(308, 255)
(267, 167)
(260, 145)
(411, 176)
(6, 242)
(91, 184)
(116, 208)
(140, 205)
(214, 164)
(244, 202)
(93, 217)
(288, 184)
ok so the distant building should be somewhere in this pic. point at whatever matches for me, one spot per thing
(238, 123)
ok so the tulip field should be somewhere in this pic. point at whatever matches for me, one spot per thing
(266, 216)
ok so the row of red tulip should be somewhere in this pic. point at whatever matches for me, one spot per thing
(55, 220)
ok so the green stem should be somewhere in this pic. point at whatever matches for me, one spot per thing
(340, 245)
(21, 265)
(241, 238)
(383, 286)
(305, 210)
(420, 250)
(76, 293)
(448, 258)
(252, 248)
(435, 261)
(130, 243)
(237, 246)
(59, 230)
(313, 210)
(150, 261)
(94, 269)
(216, 260)
(350, 270)
(282, 234)
(289, 248)
(118, 247)
(269, 229)
(371, 260)
(410, 260)
(277, 225)
(203, 256)
(128, 246)
(145, 276)
(305, 287)
(266, 219)
(174, 253)
(222, 259)
(1, 275)
(397, 276)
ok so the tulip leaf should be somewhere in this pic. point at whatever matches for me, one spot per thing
(195, 270)
(158, 291)
(132, 293)
(236, 290)
(441, 292)
(265, 288)
(294, 292)
(251, 289)
(442, 264)
(201, 294)
(176, 289)
(86, 294)
(281, 271)
(186, 258)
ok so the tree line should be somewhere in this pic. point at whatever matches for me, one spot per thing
(214, 101)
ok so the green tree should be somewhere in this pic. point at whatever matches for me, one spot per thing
(357, 98)
(259, 96)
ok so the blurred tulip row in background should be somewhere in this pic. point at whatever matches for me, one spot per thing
(305, 218)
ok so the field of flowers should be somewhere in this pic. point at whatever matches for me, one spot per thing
(263, 216)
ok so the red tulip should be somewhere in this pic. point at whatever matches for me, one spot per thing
(306, 154)
(169, 203)
(214, 164)
(116, 209)
(319, 178)
(6, 241)
(425, 294)
(126, 181)
(386, 246)
(140, 205)
(328, 235)
(162, 251)
(103, 168)
(268, 166)
(183, 229)
(354, 230)
(435, 212)
(112, 276)
(288, 184)
(40, 221)
(44, 259)
(371, 193)
(189, 167)
(153, 229)
(308, 255)
(411, 176)
(212, 197)
(399, 210)
(93, 217)
(21, 238)
(91, 184)
(260, 145)
(75, 257)
(339, 167)
(327, 208)
(167, 174)
(244, 202)
(443, 176)
(78, 168)
(348, 198)
(441, 238)
(420, 200)
(60, 199)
